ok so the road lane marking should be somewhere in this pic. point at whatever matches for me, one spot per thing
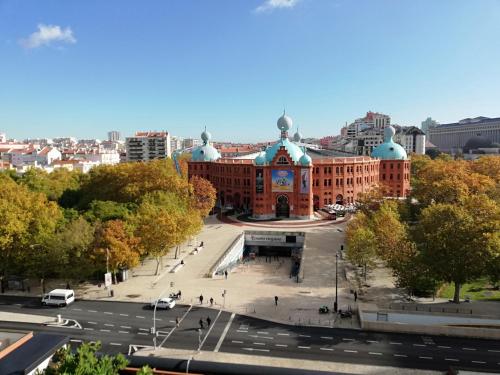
(425, 357)
(259, 343)
(140, 317)
(304, 347)
(224, 333)
(109, 325)
(127, 327)
(283, 334)
(396, 343)
(468, 349)
(372, 341)
(240, 331)
(143, 329)
(262, 337)
(123, 314)
(89, 329)
(400, 355)
(494, 351)
(374, 353)
(75, 340)
(350, 351)
(444, 347)
(209, 330)
(347, 339)
(327, 337)
(158, 319)
(329, 349)
(92, 311)
(480, 362)
(419, 345)
(108, 313)
(104, 330)
(304, 336)
(237, 342)
(77, 309)
(256, 350)
(262, 333)
(282, 345)
(123, 331)
(92, 322)
(115, 343)
(141, 333)
(451, 359)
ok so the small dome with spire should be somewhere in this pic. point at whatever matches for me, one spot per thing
(297, 137)
(305, 159)
(206, 136)
(260, 159)
(206, 152)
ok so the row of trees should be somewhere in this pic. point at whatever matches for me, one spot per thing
(448, 230)
(67, 224)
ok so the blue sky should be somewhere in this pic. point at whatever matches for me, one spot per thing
(82, 68)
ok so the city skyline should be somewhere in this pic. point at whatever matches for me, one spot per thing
(83, 69)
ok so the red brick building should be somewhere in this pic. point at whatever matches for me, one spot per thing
(287, 180)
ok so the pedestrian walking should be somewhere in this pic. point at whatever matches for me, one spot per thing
(201, 299)
(201, 244)
(177, 322)
(68, 286)
(355, 296)
(201, 323)
(179, 294)
(211, 301)
(276, 300)
(225, 274)
(208, 321)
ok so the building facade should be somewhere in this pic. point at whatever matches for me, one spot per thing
(114, 136)
(453, 137)
(148, 146)
(285, 180)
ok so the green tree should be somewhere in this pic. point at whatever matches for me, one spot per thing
(163, 221)
(361, 248)
(456, 241)
(109, 210)
(53, 184)
(86, 362)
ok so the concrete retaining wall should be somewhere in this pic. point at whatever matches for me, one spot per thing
(231, 256)
(473, 332)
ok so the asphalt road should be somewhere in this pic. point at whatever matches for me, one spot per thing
(124, 326)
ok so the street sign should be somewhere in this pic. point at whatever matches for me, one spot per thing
(107, 279)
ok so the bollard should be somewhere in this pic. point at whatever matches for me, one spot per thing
(59, 318)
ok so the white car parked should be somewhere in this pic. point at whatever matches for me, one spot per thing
(163, 303)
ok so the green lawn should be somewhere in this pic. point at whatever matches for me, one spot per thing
(480, 290)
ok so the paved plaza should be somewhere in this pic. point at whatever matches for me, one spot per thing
(250, 287)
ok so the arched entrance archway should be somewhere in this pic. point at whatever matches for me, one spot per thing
(282, 206)
(339, 199)
(316, 203)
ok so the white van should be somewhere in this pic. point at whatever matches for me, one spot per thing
(59, 297)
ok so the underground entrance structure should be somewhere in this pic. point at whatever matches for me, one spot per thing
(272, 245)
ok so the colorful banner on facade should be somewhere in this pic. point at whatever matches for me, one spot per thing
(259, 180)
(304, 181)
(282, 180)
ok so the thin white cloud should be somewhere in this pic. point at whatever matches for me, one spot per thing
(48, 34)
(270, 5)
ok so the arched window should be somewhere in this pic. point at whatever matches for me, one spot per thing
(282, 161)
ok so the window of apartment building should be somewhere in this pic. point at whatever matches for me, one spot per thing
(329, 200)
(383, 176)
(329, 182)
(392, 166)
(326, 201)
(399, 176)
(325, 182)
(390, 176)
(383, 166)
(399, 166)
(341, 169)
(337, 170)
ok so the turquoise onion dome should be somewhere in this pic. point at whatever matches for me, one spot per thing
(205, 152)
(389, 150)
(293, 150)
(261, 158)
(305, 159)
(297, 137)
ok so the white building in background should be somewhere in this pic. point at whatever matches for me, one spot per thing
(114, 136)
(32, 156)
(3, 137)
(191, 142)
(429, 123)
(411, 138)
(176, 143)
(146, 146)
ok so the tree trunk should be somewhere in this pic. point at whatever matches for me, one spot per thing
(157, 265)
(365, 272)
(456, 296)
(114, 277)
(176, 251)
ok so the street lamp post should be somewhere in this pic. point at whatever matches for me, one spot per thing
(335, 304)
(153, 330)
